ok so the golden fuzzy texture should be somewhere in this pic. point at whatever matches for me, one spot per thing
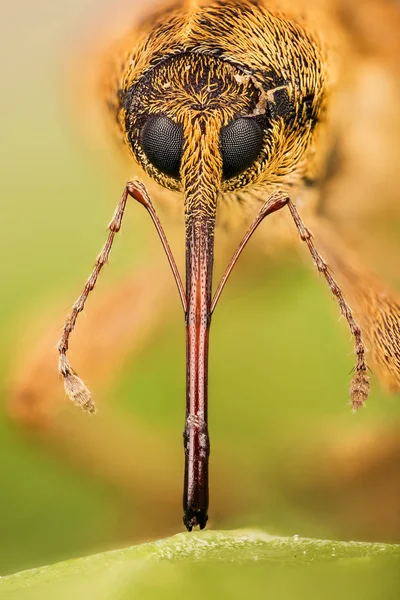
(201, 198)
(184, 89)
(272, 50)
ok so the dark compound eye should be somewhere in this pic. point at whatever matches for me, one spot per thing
(162, 142)
(241, 143)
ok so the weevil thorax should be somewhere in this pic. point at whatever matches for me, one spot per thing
(206, 67)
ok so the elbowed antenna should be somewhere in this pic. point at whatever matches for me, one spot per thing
(359, 387)
(75, 388)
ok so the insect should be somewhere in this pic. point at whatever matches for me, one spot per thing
(226, 103)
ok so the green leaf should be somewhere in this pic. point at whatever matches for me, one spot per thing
(215, 564)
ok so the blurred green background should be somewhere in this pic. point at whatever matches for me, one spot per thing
(288, 455)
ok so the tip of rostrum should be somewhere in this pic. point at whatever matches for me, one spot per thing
(193, 518)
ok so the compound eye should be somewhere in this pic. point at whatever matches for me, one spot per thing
(162, 142)
(241, 143)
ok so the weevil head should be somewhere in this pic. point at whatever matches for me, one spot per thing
(191, 100)
(260, 77)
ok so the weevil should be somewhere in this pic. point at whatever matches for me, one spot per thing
(233, 102)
